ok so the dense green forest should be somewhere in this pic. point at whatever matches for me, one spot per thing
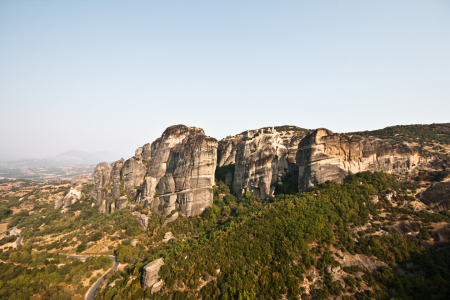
(422, 134)
(265, 249)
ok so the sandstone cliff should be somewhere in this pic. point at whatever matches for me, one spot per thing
(227, 149)
(323, 155)
(260, 162)
(179, 166)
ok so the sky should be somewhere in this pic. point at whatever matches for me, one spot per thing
(112, 75)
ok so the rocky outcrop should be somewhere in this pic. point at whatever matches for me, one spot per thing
(150, 275)
(175, 171)
(101, 178)
(260, 163)
(406, 229)
(116, 171)
(133, 172)
(226, 151)
(80, 180)
(142, 220)
(437, 196)
(146, 151)
(323, 155)
(181, 167)
(292, 148)
(70, 198)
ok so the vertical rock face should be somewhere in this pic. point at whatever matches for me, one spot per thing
(146, 151)
(323, 155)
(226, 150)
(181, 165)
(101, 179)
(142, 219)
(150, 275)
(260, 163)
(292, 152)
(116, 169)
(133, 172)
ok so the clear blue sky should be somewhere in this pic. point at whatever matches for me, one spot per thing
(112, 75)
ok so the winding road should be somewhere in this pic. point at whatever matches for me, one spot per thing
(91, 292)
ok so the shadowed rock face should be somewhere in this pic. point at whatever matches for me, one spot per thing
(260, 163)
(292, 152)
(101, 179)
(116, 169)
(442, 235)
(323, 155)
(437, 196)
(227, 151)
(406, 229)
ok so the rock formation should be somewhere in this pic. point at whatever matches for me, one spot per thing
(179, 166)
(116, 171)
(260, 163)
(323, 155)
(226, 151)
(72, 196)
(142, 220)
(150, 275)
(101, 179)
(133, 172)
(437, 196)
(406, 229)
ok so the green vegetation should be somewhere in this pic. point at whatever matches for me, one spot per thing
(52, 276)
(422, 134)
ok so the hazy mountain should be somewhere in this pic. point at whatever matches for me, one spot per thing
(7, 157)
(72, 157)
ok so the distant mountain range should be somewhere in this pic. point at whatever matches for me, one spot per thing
(72, 157)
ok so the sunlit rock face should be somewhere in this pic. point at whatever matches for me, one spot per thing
(323, 155)
(181, 167)
(175, 171)
(260, 163)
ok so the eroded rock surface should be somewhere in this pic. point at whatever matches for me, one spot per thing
(323, 155)
(150, 275)
(142, 219)
(181, 167)
(406, 229)
(175, 171)
(437, 196)
(101, 178)
(116, 171)
(260, 163)
(227, 149)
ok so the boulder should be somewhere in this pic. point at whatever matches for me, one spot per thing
(150, 275)
(142, 219)
(260, 163)
(70, 198)
(133, 242)
(323, 155)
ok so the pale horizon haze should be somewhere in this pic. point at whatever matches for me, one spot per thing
(112, 75)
